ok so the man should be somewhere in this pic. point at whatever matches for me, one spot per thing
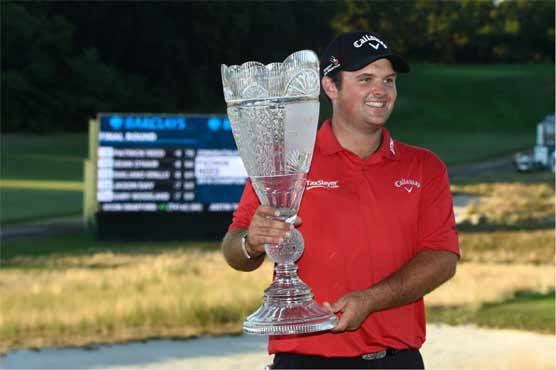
(379, 231)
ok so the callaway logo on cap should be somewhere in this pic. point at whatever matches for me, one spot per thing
(353, 51)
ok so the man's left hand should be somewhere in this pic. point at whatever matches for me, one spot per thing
(355, 307)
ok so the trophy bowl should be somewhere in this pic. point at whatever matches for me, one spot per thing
(274, 110)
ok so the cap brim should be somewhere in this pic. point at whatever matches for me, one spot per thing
(398, 63)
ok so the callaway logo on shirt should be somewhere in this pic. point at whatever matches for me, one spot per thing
(407, 184)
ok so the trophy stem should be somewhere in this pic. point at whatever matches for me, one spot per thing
(289, 307)
(285, 269)
(287, 287)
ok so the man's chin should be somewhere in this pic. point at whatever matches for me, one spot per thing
(376, 123)
(378, 120)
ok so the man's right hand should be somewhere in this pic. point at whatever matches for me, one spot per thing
(266, 228)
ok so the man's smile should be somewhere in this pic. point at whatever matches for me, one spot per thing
(376, 104)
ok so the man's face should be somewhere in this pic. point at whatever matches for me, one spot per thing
(367, 96)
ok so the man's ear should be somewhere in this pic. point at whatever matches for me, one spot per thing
(329, 87)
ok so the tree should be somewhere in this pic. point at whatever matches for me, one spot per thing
(465, 31)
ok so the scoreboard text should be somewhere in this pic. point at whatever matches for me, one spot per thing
(167, 164)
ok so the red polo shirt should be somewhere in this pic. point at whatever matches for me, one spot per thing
(362, 221)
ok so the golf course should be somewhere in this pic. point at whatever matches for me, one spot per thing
(73, 290)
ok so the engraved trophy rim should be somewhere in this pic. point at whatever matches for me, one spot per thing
(292, 79)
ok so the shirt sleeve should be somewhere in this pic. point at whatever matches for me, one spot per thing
(246, 209)
(437, 225)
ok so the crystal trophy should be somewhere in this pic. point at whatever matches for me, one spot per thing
(274, 110)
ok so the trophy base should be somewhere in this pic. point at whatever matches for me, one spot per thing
(308, 317)
(288, 308)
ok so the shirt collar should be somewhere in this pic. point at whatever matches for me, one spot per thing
(388, 148)
(328, 143)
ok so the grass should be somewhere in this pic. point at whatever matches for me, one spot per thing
(515, 254)
(465, 147)
(506, 176)
(509, 204)
(508, 247)
(478, 283)
(42, 185)
(43, 157)
(470, 112)
(23, 204)
(474, 98)
(41, 176)
(73, 290)
(526, 310)
(85, 244)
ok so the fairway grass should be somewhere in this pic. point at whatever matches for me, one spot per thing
(23, 204)
(474, 98)
(56, 157)
(508, 176)
(525, 311)
(42, 185)
(41, 176)
(456, 148)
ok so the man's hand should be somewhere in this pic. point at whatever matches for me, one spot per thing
(265, 228)
(422, 274)
(355, 307)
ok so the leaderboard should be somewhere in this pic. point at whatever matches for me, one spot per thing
(167, 164)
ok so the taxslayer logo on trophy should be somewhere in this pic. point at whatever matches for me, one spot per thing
(407, 184)
(322, 184)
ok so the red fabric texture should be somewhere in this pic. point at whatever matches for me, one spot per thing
(362, 221)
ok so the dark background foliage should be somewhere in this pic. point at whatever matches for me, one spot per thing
(62, 62)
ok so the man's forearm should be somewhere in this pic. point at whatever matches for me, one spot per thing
(425, 272)
(231, 248)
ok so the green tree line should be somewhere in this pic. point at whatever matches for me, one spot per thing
(62, 62)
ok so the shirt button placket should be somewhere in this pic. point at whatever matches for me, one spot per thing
(366, 197)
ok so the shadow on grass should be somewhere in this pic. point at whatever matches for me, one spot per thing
(491, 227)
(527, 310)
(38, 219)
(86, 244)
(508, 176)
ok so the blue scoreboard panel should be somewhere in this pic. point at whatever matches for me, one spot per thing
(170, 172)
